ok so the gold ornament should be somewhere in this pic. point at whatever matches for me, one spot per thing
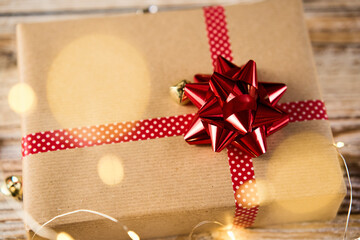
(177, 92)
(12, 186)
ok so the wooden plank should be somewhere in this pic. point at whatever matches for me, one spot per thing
(318, 21)
(58, 7)
(10, 8)
(323, 29)
(338, 69)
(331, 5)
(333, 23)
(337, 37)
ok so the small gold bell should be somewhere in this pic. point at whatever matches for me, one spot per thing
(177, 92)
(12, 186)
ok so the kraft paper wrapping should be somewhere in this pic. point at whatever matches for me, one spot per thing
(113, 69)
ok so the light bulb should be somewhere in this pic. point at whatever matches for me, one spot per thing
(340, 144)
(133, 235)
(231, 235)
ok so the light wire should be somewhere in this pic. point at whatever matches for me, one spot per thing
(351, 192)
(77, 211)
(337, 146)
(201, 224)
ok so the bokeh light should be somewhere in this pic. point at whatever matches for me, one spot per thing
(98, 79)
(64, 236)
(4, 190)
(318, 184)
(110, 169)
(21, 98)
(247, 195)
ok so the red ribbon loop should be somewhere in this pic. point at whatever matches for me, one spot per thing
(234, 108)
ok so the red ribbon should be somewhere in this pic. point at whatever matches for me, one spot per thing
(234, 108)
(140, 130)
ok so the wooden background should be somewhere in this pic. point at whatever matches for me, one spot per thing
(334, 27)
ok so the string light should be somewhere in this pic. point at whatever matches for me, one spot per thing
(337, 146)
(228, 228)
(133, 235)
(340, 144)
(231, 235)
(65, 236)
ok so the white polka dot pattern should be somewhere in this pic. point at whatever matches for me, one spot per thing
(242, 170)
(305, 110)
(143, 129)
(80, 137)
(244, 186)
(241, 167)
(217, 33)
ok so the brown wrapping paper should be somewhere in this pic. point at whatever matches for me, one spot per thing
(113, 69)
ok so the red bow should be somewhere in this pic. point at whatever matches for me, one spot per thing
(234, 108)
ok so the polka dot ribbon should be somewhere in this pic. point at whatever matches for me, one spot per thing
(241, 167)
(80, 137)
(217, 32)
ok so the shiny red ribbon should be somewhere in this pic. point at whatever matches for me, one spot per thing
(234, 108)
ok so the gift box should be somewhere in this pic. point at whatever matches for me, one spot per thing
(103, 133)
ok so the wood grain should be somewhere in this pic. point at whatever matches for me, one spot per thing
(334, 27)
